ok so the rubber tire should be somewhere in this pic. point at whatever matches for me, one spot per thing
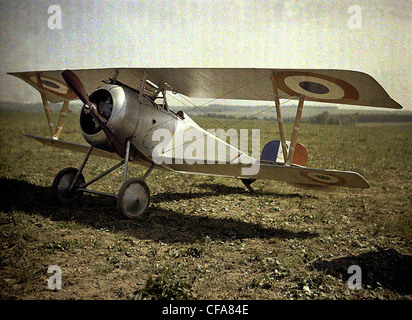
(60, 186)
(127, 208)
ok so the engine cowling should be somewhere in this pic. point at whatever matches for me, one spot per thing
(119, 107)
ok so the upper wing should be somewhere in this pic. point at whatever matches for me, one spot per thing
(334, 86)
(55, 88)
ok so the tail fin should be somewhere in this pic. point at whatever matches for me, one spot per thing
(272, 152)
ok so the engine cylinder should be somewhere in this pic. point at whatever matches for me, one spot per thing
(119, 108)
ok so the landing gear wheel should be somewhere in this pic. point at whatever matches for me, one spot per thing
(62, 183)
(133, 199)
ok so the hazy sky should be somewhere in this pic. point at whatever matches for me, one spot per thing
(259, 34)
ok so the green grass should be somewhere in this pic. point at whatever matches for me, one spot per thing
(208, 237)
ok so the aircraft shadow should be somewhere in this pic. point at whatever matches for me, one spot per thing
(220, 188)
(163, 224)
(386, 268)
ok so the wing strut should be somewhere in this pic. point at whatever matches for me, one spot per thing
(295, 131)
(55, 132)
(47, 109)
(279, 117)
(62, 116)
(288, 156)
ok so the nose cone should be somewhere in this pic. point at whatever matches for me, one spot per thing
(104, 103)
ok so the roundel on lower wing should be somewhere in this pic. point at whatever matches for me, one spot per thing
(324, 178)
(52, 85)
(316, 87)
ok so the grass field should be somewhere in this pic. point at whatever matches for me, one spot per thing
(208, 237)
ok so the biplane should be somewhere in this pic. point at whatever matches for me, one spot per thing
(122, 117)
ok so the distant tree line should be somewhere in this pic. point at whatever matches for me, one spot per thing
(238, 117)
(327, 118)
(354, 118)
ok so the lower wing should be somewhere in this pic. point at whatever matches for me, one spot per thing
(296, 175)
(76, 147)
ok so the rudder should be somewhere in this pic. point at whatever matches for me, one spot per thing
(273, 152)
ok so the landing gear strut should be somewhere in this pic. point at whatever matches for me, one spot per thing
(132, 200)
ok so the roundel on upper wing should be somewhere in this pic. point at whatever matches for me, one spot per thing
(316, 87)
(54, 86)
(324, 178)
